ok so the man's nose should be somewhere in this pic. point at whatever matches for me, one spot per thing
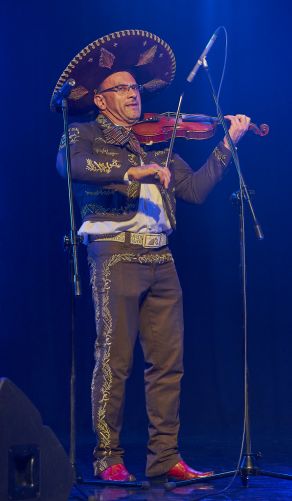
(133, 92)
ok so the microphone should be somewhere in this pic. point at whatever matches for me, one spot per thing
(62, 93)
(203, 55)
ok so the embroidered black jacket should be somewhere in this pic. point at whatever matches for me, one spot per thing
(102, 153)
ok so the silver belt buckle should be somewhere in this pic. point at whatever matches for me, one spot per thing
(153, 240)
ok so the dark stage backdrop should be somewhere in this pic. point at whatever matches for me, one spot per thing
(37, 42)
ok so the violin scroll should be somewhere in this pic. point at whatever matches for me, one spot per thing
(261, 130)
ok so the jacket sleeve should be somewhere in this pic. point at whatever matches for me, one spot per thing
(194, 186)
(87, 165)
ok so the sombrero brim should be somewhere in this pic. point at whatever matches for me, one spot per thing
(144, 54)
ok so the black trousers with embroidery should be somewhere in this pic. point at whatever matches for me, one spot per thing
(136, 292)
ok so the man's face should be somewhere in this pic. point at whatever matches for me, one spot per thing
(121, 109)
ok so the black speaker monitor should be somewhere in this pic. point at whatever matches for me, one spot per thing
(33, 463)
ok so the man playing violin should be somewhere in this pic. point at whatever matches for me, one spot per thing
(127, 198)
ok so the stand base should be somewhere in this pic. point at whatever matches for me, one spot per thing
(143, 484)
(116, 483)
(79, 480)
(248, 468)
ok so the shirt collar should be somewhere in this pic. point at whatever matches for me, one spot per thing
(116, 134)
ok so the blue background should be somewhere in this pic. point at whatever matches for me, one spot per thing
(38, 39)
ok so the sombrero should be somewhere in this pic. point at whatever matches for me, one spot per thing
(144, 54)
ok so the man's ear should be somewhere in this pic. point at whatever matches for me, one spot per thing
(100, 101)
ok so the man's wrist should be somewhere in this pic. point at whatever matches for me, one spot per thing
(129, 174)
(226, 144)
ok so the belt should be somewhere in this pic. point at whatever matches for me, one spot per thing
(147, 240)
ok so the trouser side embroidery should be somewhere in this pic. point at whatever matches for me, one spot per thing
(103, 317)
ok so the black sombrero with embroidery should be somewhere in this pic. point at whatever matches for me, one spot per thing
(144, 54)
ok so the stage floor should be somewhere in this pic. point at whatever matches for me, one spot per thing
(217, 456)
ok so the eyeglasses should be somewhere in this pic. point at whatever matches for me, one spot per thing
(122, 89)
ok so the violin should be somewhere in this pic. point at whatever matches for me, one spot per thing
(158, 128)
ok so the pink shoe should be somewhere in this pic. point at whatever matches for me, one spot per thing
(181, 471)
(117, 472)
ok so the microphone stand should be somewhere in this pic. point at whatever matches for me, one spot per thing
(247, 466)
(71, 243)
